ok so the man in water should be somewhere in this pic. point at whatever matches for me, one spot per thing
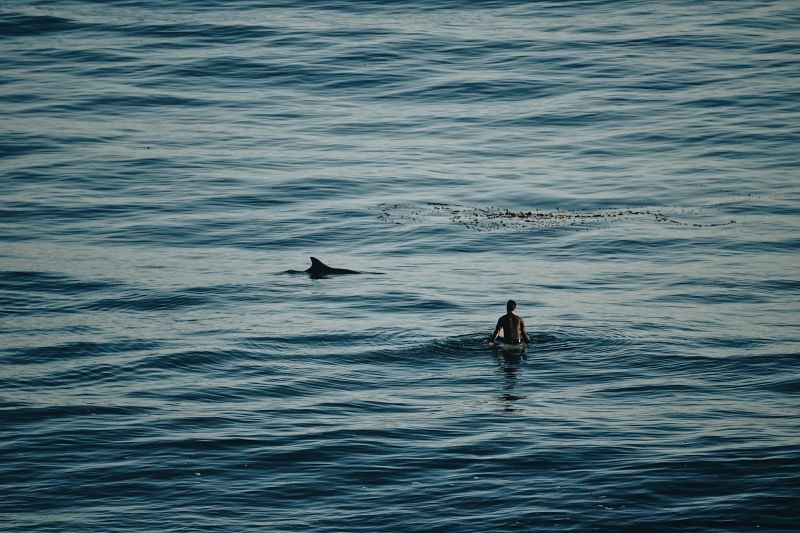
(513, 327)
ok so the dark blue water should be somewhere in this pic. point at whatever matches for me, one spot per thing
(629, 172)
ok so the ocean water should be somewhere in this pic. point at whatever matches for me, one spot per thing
(628, 171)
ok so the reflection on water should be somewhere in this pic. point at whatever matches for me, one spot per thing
(510, 363)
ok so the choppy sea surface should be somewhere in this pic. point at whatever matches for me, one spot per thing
(628, 172)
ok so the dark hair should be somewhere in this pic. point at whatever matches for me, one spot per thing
(511, 305)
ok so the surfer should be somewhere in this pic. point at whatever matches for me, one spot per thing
(513, 327)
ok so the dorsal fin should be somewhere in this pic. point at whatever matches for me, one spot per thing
(318, 268)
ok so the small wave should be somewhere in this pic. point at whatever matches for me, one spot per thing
(135, 301)
(51, 282)
(26, 415)
(19, 25)
(73, 350)
(197, 361)
(649, 389)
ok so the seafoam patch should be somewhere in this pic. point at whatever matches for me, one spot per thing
(499, 219)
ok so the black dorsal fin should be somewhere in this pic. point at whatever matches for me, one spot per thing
(320, 269)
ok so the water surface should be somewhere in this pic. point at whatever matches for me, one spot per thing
(164, 165)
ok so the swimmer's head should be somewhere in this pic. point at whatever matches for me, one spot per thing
(511, 305)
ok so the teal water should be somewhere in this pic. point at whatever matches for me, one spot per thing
(627, 171)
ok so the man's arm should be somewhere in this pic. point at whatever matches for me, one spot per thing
(523, 331)
(496, 331)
